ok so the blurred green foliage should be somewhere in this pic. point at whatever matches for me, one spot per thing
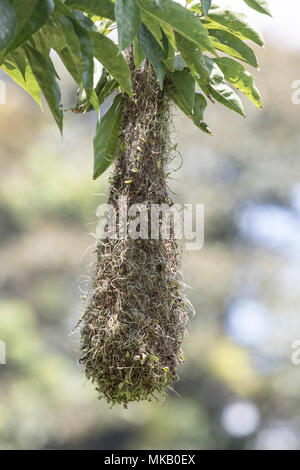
(47, 210)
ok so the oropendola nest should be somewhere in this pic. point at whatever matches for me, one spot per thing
(136, 315)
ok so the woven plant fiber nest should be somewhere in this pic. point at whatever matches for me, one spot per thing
(135, 316)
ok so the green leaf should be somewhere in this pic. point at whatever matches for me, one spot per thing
(180, 19)
(154, 27)
(151, 49)
(179, 63)
(128, 18)
(85, 21)
(259, 5)
(18, 58)
(161, 34)
(109, 87)
(71, 63)
(206, 4)
(196, 115)
(44, 73)
(103, 8)
(70, 54)
(84, 105)
(226, 42)
(25, 79)
(171, 43)
(112, 60)
(99, 95)
(219, 89)
(56, 39)
(194, 59)
(93, 100)
(31, 16)
(41, 42)
(107, 136)
(198, 112)
(80, 59)
(7, 23)
(234, 22)
(86, 56)
(137, 53)
(185, 88)
(101, 82)
(238, 76)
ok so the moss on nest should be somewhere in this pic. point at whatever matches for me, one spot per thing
(135, 317)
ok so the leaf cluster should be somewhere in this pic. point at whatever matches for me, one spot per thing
(198, 53)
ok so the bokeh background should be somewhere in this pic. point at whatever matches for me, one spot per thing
(239, 388)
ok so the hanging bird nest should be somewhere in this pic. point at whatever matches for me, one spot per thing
(135, 317)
